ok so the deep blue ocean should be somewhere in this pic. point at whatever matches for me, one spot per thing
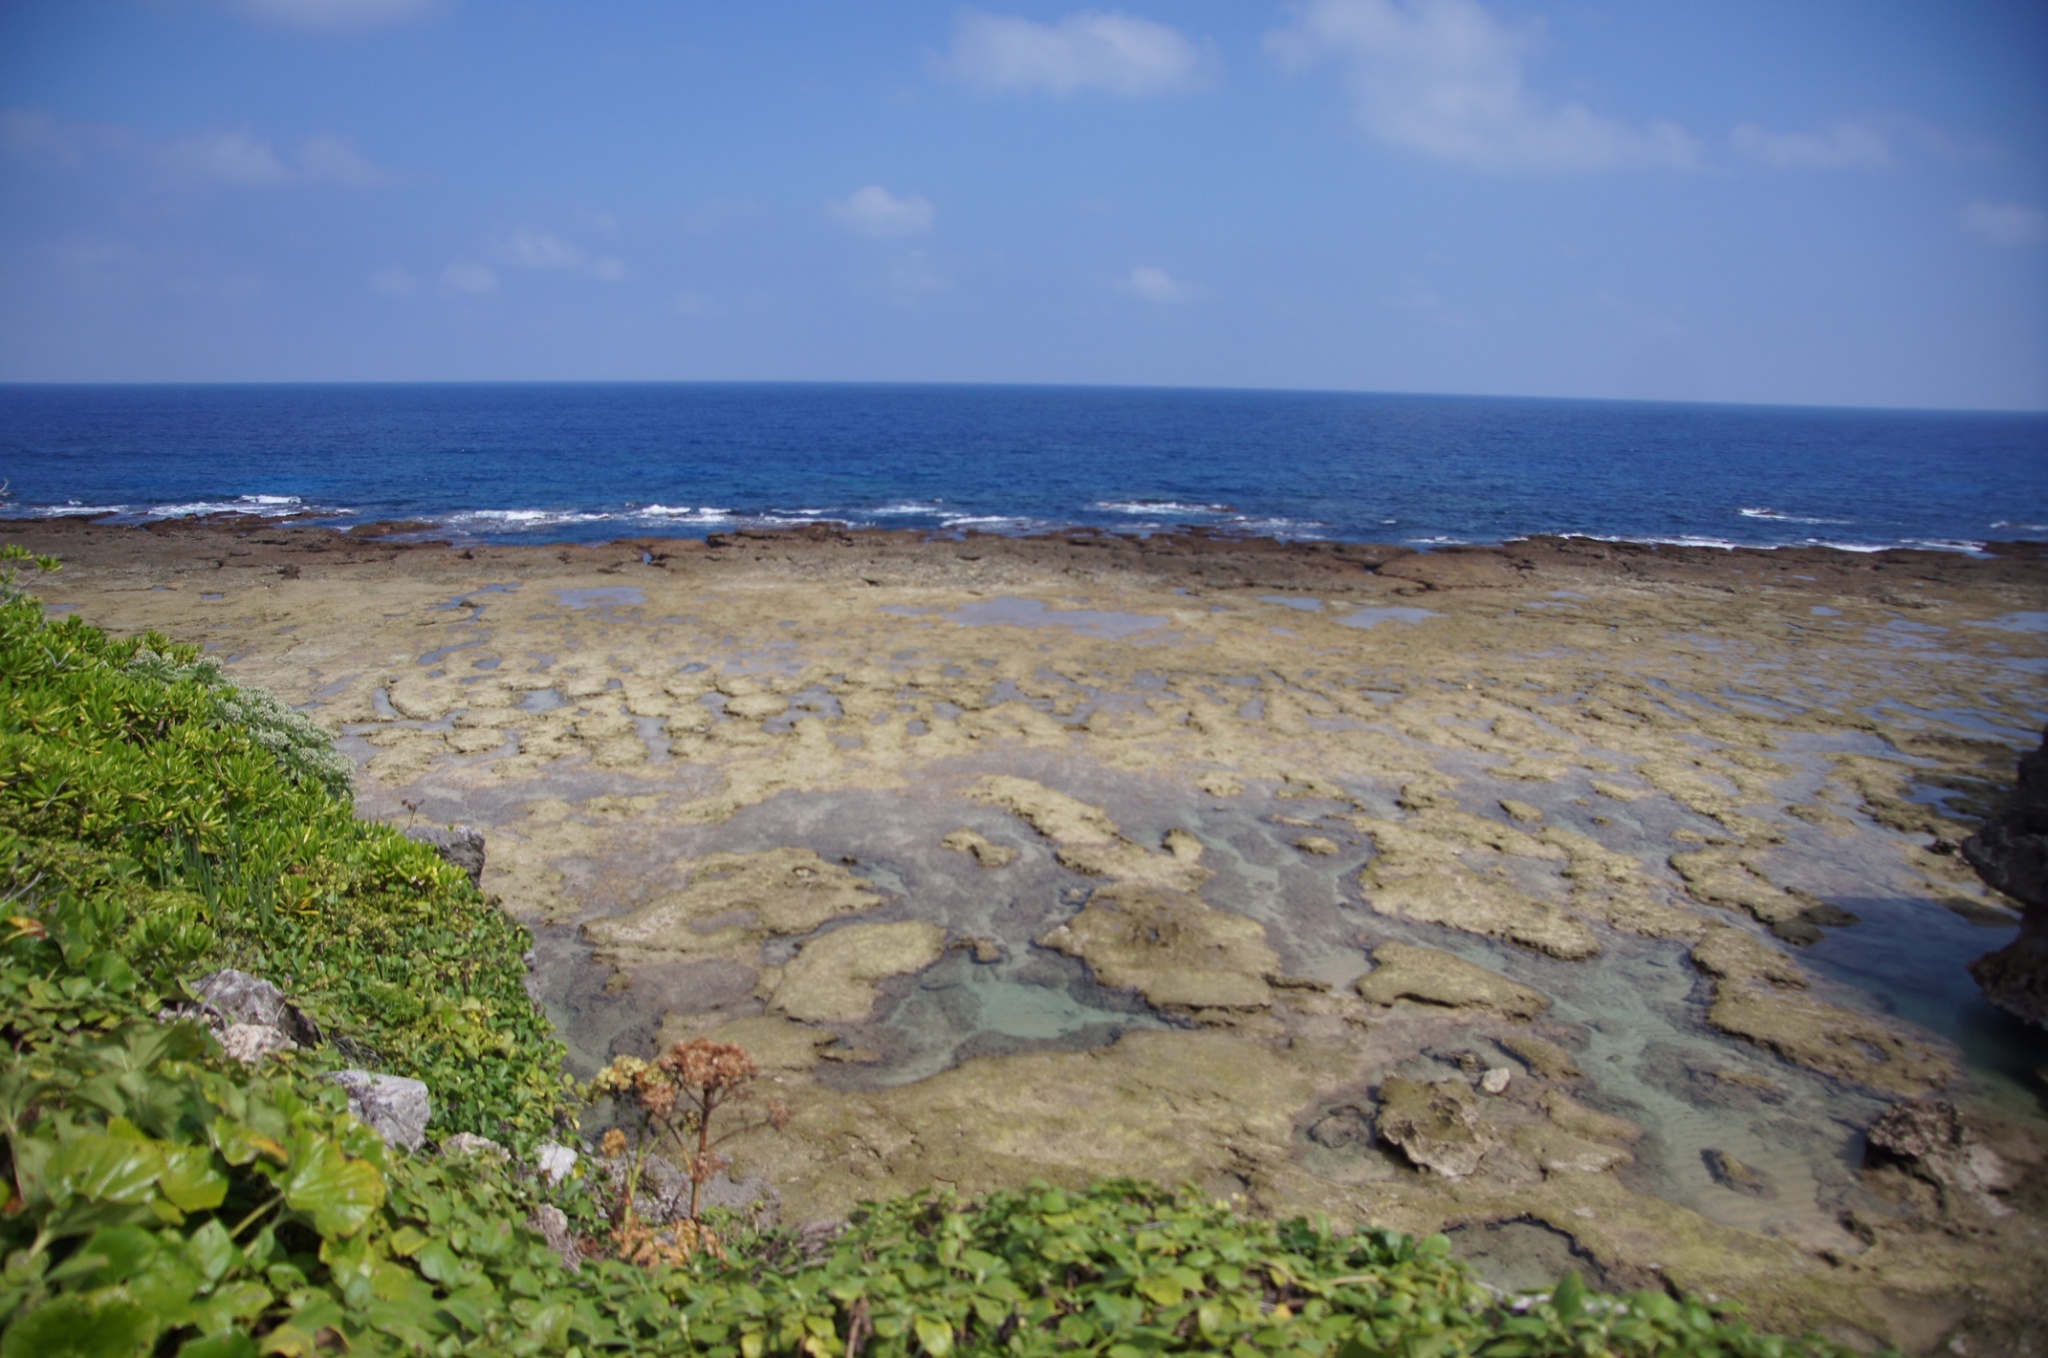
(556, 462)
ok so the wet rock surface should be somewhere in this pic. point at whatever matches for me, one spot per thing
(1650, 786)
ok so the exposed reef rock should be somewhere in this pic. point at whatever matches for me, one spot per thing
(1759, 995)
(986, 852)
(1930, 1140)
(720, 797)
(2011, 853)
(832, 979)
(1171, 947)
(1402, 971)
(778, 893)
(1436, 1125)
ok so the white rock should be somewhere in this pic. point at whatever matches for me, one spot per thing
(555, 1162)
(469, 1143)
(242, 998)
(251, 1042)
(1495, 1081)
(398, 1108)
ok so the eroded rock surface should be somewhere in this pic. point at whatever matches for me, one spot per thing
(1402, 971)
(1648, 775)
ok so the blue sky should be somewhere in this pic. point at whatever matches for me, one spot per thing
(1821, 202)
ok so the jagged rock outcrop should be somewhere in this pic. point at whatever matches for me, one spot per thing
(2011, 853)
(1930, 1140)
(395, 1107)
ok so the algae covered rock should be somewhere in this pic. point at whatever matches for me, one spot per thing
(1758, 997)
(1171, 947)
(832, 979)
(1436, 1125)
(986, 852)
(1403, 971)
(779, 892)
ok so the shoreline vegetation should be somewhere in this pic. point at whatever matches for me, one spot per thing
(162, 822)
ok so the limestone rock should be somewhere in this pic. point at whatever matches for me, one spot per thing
(1732, 1174)
(1435, 1125)
(469, 1143)
(1545, 1060)
(1171, 947)
(1931, 1141)
(551, 1224)
(1479, 905)
(1403, 971)
(242, 999)
(1757, 997)
(1496, 1080)
(1322, 846)
(460, 846)
(555, 1162)
(779, 892)
(249, 1043)
(986, 852)
(832, 979)
(396, 1107)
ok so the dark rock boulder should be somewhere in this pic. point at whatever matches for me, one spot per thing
(2011, 853)
(460, 846)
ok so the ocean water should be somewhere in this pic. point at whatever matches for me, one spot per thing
(570, 462)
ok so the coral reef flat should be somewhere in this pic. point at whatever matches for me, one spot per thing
(1577, 898)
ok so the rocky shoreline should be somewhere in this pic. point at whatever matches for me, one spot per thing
(1466, 890)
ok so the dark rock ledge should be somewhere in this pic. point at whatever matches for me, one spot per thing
(2011, 853)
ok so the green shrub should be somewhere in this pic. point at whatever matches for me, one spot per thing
(157, 822)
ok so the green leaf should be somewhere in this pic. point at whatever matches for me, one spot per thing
(219, 1346)
(935, 1336)
(1569, 1296)
(104, 1169)
(211, 1251)
(75, 1326)
(190, 1180)
(1163, 1290)
(113, 1255)
(339, 1193)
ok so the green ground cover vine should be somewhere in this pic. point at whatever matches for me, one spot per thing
(157, 821)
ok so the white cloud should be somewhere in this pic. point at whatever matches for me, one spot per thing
(530, 249)
(230, 157)
(1155, 284)
(470, 278)
(1086, 50)
(1844, 144)
(335, 160)
(237, 156)
(874, 211)
(34, 134)
(394, 281)
(336, 14)
(1444, 78)
(2006, 223)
